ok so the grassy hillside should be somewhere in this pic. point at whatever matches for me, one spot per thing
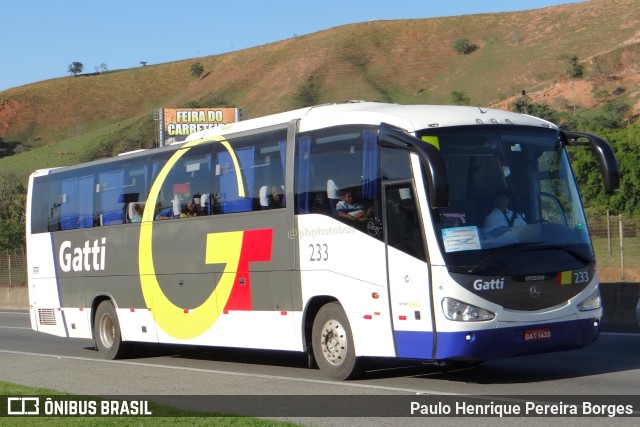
(66, 120)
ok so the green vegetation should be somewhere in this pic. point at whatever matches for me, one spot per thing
(308, 92)
(626, 144)
(459, 98)
(75, 68)
(464, 46)
(525, 105)
(163, 415)
(574, 68)
(12, 191)
(197, 69)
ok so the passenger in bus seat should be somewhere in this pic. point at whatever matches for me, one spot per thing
(275, 198)
(189, 210)
(164, 213)
(350, 210)
(136, 210)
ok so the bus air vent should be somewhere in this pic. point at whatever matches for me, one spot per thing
(47, 316)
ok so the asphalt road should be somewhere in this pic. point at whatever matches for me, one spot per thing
(609, 367)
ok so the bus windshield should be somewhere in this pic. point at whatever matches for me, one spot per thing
(514, 205)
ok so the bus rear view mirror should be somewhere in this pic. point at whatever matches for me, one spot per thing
(603, 154)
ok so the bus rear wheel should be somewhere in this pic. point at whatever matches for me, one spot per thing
(332, 343)
(106, 330)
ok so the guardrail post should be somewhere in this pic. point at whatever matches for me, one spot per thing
(9, 259)
(621, 248)
(608, 232)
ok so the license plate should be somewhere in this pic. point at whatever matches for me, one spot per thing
(537, 334)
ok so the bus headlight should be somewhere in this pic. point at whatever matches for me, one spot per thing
(463, 312)
(592, 302)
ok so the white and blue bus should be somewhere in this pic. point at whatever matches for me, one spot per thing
(348, 231)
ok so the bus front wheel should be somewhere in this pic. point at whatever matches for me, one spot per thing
(106, 330)
(332, 342)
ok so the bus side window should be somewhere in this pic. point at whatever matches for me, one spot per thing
(187, 181)
(333, 160)
(235, 185)
(42, 206)
(250, 187)
(404, 232)
(75, 203)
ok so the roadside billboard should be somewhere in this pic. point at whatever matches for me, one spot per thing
(177, 123)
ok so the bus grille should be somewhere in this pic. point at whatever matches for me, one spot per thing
(47, 316)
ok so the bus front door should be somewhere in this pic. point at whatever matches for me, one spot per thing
(407, 272)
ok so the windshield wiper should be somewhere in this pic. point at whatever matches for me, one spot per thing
(498, 250)
(567, 249)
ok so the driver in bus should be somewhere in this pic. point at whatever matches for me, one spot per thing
(501, 218)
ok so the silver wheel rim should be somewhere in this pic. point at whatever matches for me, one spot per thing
(333, 342)
(107, 331)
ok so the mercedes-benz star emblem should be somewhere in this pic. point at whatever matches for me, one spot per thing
(534, 291)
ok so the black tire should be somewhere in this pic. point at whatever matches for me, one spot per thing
(106, 331)
(332, 342)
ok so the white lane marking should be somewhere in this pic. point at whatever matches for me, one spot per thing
(24, 313)
(14, 327)
(240, 374)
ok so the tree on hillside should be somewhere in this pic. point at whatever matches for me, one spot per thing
(522, 105)
(575, 70)
(459, 98)
(197, 69)
(626, 144)
(102, 68)
(12, 198)
(75, 68)
(308, 92)
(464, 47)
(612, 115)
(525, 105)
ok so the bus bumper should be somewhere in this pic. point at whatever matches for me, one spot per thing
(506, 341)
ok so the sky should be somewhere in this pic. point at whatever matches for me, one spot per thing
(41, 38)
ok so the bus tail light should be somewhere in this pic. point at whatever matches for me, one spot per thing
(592, 302)
(463, 312)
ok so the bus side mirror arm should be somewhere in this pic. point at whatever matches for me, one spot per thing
(393, 137)
(602, 152)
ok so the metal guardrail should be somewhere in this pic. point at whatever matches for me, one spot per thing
(13, 269)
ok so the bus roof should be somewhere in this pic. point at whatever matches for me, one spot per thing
(409, 117)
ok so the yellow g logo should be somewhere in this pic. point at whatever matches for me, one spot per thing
(221, 248)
